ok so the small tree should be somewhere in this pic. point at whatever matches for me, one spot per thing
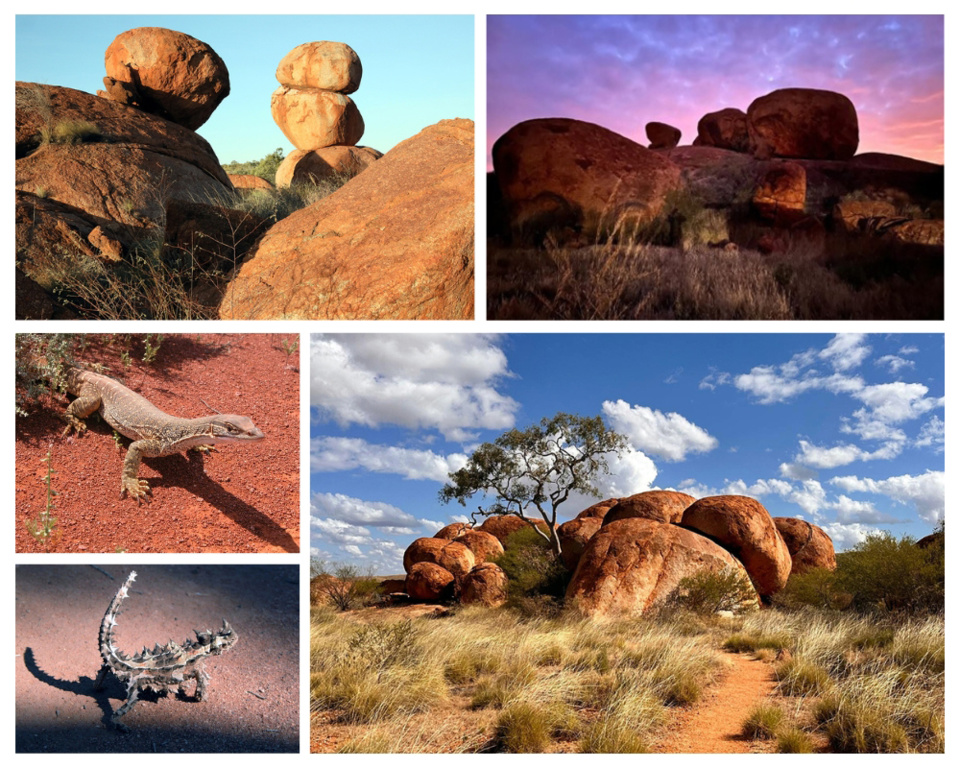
(537, 467)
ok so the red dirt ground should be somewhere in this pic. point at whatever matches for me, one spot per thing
(238, 499)
(252, 701)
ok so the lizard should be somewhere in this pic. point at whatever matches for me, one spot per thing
(158, 669)
(153, 432)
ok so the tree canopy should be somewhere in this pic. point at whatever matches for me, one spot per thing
(537, 467)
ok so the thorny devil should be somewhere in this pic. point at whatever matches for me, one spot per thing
(154, 433)
(161, 668)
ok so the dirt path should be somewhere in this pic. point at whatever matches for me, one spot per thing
(714, 724)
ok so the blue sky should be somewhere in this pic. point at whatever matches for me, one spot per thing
(845, 431)
(625, 71)
(417, 70)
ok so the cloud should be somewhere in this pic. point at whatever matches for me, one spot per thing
(931, 434)
(840, 455)
(851, 511)
(335, 454)
(897, 401)
(357, 512)
(847, 535)
(894, 363)
(669, 435)
(925, 492)
(446, 382)
(845, 351)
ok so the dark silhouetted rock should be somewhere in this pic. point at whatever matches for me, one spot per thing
(725, 129)
(662, 136)
(782, 194)
(803, 123)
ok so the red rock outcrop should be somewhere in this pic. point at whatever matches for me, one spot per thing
(599, 509)
(660, 506)
(317, 165)
(173, 75)
(312, 118)
(574, 535)
(326, 65)
(396, 242)
(249, 181)
(744, 527)
(810, 546)
(632, 565)
(849, 214)
(558, 174)
(724, 129)
(662, 136)
(484, 585)
(425, 549)
(803, 123)
(453, 556)
(429, 581)
(484, 545)
(782, 194)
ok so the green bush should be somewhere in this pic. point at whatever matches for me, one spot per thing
(69, 132)
(265, 168)
(816, 588)
(763, 722)
(888, 574)
(707, 591)
(345, 587)
(536, 579)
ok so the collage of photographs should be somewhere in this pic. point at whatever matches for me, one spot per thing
(306, 462)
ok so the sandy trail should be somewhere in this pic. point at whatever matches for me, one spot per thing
(714, 724)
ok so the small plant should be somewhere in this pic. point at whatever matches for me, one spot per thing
(763, 722)
(125, 358)
(289, 346)
(707, 592)
(799, 677)
(528, 726)
(151, 346)
(69, 132)
(44, 529)
(794, 741)
(345, 588)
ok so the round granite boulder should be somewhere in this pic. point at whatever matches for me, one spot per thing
(660, 506)
(725, 129)
(743, 527)
(450, 532)
(484, 545)
(810, 546)
(326, 65)
(803, 123)
(486, 585)
(574, 535)
(429, 581)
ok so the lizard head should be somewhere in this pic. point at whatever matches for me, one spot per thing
(228, 428)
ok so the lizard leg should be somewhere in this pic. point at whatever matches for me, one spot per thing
(138, 489)
(101, 676)
(86, 403)
(133, 693)
(201, 677)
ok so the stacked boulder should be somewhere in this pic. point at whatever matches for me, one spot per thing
(313, 110)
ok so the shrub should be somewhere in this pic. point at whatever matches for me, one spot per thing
(794, 741)
(707, 591)
(345, 587)
(816, 588)
(527, 726)
(888, 574)
(799, 677)
(763, 721)
(69, 132)
(536, 579)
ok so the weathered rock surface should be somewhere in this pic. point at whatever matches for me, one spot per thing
(392, 586)
(425, 549)
(484, 545)
(558, 173)
(174, 75)
(326, 65)
(454, 556)
(917, 231)
(599, 509)
(724, 129)
(850, 214)
(574, 535)
(744, 527)
(810, 546)
(396, 242)
(803, 123)
(317, 165)
(249, 181)
(312, 119)
(450, 532)
(33, 303)
(632, 565)
(781, 195)
(659, 506)
(429, 581)
(486, 585)
(662, 136)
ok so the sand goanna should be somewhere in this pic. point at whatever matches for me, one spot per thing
(154, 433)
(161, 668)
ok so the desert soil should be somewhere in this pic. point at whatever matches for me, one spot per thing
(714, 724)
(252, 701)
(237, 499)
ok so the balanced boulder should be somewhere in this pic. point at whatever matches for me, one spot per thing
(660, 506)
(453, 556)
(486, 585)
(313, 166)
(803, 123)
(633, 565)
(725, 129)
(662, 136)
(810, 546)
(742, 526)
(429, 581)
(485, 546)
(450, 532)
(167, 73)
(324, 65)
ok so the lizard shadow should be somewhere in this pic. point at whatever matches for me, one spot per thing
(191, 477)
(85, 686)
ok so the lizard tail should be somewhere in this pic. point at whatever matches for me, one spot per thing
(107, 648)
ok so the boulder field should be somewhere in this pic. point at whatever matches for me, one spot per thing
(791, 154)
(627, 555)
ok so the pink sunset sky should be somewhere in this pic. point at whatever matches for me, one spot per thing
(622, 72)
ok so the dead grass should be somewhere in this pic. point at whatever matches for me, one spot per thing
(845, 278)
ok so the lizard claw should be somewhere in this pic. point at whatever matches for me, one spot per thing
(76, 424)
(138, 489)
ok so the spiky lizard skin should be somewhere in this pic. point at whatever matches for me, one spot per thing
(154, 433)
(161, 668)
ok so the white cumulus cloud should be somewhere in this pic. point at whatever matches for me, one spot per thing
(334, 454)
(668, 435)
(925, 492)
